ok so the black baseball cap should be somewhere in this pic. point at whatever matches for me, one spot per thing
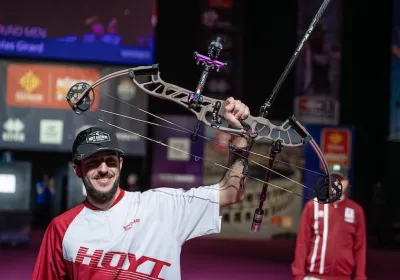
(339, 170)
(92, 140)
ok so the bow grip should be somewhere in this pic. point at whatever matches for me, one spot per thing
(245, 125)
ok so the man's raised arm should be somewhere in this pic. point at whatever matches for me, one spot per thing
(233, 182)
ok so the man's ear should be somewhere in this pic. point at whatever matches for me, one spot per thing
(77, 170)
(121, 160)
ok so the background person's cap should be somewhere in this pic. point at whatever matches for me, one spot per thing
(338, 170)
(93, 140)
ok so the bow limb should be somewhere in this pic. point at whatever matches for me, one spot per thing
(80, 96)
(330, 189)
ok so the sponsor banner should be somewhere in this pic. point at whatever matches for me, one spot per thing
(172, 167)
(45, 86)
(318, 69)
(311, 109)
(282, 208)
(34, 114)
(337, 144)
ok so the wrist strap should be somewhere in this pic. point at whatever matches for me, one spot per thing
(242, 154)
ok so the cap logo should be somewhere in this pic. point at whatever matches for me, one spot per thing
(98, 137)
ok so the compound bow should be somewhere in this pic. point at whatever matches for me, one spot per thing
(210, 111)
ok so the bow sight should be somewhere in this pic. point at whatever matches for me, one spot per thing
(209, 63)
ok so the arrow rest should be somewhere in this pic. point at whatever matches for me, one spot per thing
(328, 189)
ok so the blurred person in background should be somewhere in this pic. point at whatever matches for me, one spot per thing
(97, 30)
(44, 198)
(331, 240)
(111, 36)
(321, 64)
(135, 235)
(132, 183)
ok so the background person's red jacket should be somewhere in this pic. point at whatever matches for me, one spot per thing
(331, 242)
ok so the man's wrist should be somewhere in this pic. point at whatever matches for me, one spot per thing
(239, 141)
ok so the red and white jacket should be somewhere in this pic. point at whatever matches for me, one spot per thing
(139, 237)
(331, 242)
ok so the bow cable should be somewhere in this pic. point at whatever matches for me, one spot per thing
(186, 130)
(203, 159)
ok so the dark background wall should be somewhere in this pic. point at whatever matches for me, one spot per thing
(366, 91)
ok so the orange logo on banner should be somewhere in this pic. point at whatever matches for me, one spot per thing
(336, 146)
(29, 82)
(45, 86)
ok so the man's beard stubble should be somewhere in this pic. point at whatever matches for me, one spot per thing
(101, 197)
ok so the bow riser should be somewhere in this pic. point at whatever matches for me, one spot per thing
(149, 80)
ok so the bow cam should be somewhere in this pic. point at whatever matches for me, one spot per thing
(80, 97)
(328, 189)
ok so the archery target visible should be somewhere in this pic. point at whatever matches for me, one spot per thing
(182, 144)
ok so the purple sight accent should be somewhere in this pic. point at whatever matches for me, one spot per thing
(191, 97)
(208, 60)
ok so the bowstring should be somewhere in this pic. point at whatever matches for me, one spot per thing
(176, 129)
(186, 130)
(196, 156)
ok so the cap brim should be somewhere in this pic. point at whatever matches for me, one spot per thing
(88, 150)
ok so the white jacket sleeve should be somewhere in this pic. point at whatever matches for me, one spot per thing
(190, 213)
